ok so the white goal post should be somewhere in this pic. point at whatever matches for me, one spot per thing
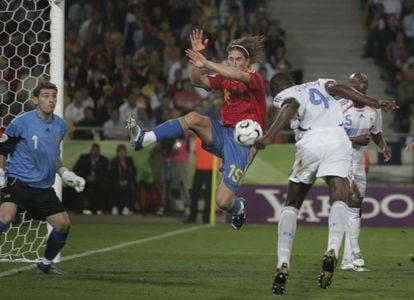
(31, 51)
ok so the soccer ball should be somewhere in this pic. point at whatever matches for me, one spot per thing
(246, 132)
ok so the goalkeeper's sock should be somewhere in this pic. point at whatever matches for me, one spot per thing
(286, 234)
(2, 227)
(337, 224)
(167, 130)
(237, 206)
(55, 243)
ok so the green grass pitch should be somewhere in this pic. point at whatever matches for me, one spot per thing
(212, 263)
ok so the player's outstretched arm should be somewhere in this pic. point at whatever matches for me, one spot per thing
(344, 91)
(70, 178)
(198, 46)
(198, 60)
(286, 113)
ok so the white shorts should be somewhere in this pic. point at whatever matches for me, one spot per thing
(359, 177)
(322, 152)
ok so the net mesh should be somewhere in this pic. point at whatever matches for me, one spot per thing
(24, 53)
(24, 62)
(24, 239)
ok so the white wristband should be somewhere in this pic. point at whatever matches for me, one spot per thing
(62, 170)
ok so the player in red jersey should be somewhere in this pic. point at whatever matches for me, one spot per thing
(244, 98)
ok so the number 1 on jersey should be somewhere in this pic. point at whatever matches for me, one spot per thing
(316, 98)
(34, 139)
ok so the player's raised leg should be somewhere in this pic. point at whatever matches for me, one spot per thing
(139, 138)
(170, 129)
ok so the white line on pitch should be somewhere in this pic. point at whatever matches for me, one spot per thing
(109, 249)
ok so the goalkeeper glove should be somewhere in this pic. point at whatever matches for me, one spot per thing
(72, 180)
(3, 179)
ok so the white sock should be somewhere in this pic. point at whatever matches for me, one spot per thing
(337, 225)
(286, 234)
(353, 228)
(149, 138)
(347, 258)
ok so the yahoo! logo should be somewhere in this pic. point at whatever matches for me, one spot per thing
(316, 206)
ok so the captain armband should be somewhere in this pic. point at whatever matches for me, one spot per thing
(7, 144)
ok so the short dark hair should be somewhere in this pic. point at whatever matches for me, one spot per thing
(45, 85)
(121, 146)
(280, 81)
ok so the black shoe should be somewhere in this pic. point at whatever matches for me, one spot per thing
(279, 282)
(328, 268)
(238, 220)
(48, 269)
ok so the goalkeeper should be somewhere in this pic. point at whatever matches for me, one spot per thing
(32, 143)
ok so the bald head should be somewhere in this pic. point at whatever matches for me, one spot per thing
(358, 76)
(359, 81)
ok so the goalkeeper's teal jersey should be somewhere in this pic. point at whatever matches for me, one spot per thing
(34, 158)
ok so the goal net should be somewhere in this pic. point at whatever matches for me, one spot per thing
(24, 240)
(31, 51)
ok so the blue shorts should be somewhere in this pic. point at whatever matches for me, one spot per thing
(236, 159)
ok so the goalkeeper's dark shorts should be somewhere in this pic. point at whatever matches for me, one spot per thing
(40, 203)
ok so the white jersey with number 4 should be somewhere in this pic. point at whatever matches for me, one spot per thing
(322, 146)
(317, 109)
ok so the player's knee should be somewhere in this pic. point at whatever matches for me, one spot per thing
(63, 226)
(192, 119)
(5, 219)
(339, 189)
(294, 202)
(223, 203)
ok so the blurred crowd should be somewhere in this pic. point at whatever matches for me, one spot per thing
(390, 43)
(127, 57)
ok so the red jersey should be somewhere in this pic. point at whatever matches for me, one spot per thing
(241, 100)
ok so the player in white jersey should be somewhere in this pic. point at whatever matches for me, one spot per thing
(361, 123)
(323, 150)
